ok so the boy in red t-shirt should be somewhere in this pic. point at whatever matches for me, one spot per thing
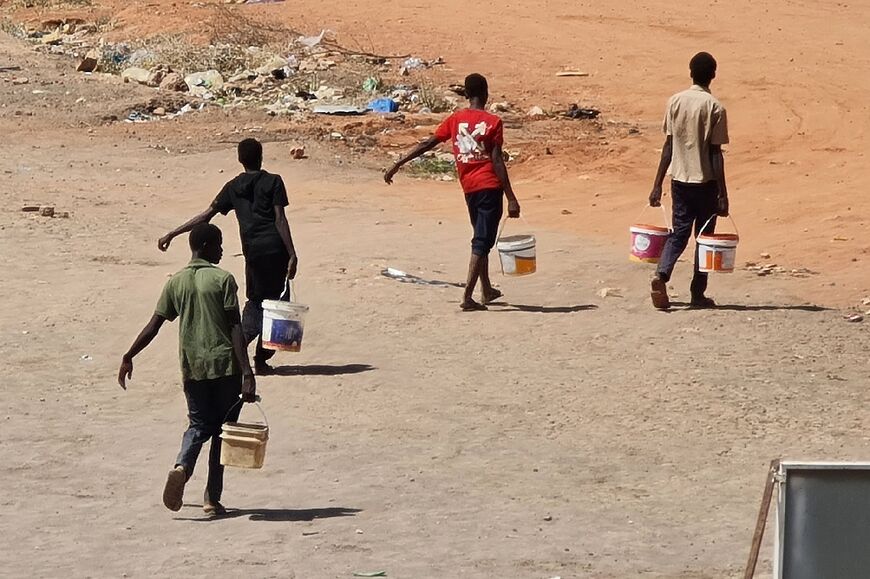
(477, 140)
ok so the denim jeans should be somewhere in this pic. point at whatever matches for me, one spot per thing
(693, 205)
(210, 403)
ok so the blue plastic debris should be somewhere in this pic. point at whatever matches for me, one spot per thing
(383, 106)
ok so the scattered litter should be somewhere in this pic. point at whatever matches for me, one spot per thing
(383, 106)
(297, 152)
(47, 211)
(10, 68)
(136, 74)
(86, 357)
(203, 84)
(312, 41)
(567, 212)
(370, 574)
(764, 255)
(610, 292)
(89, 63)
(276, 63)
(359, 531)
(414, 63)
(371, 84)
(536, 113)
(342, 110)
(548, 518)
(854, 318)
(576, 112)
(840, 238)
(310, 533)
(403, 277)
(138, 117)
(20, 80)
(572, 73)
(30, 208)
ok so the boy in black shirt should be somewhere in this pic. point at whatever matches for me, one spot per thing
(258, 198)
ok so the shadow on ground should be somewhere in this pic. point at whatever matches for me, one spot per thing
(278, 515)
(754, 308)
(503, 307)
(322, 370)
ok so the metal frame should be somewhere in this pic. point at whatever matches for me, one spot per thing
(781, 480)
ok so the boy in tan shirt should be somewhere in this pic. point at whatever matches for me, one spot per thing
(696, 126)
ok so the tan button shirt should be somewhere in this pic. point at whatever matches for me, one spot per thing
(695, 120)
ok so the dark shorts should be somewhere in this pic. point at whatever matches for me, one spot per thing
(485, 208)
(265, 276)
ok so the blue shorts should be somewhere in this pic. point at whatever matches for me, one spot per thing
(485, 208)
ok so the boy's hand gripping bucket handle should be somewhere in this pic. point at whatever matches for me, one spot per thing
(731, 219)
(667, 221)
(260, 408)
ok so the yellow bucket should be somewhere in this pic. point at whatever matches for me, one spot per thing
(243, 444)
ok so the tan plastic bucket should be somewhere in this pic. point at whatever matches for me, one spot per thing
(243, 444)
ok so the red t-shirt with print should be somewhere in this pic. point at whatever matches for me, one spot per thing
(474, 134)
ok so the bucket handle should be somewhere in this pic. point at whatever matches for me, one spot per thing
(664, 215)
(260, 408)
(288, 292)
(731, 219)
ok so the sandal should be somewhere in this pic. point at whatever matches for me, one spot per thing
(472, 306)
(659, 294)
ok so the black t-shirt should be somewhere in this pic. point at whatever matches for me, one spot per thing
(254, 197)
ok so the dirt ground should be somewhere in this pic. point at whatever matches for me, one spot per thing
(561, 435)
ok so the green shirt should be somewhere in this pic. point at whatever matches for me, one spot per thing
(203, 296)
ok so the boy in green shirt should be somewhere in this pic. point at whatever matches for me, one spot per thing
(214, 360)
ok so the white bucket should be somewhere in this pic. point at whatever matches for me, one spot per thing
(283, 325)
(717, 252)
(517, 254)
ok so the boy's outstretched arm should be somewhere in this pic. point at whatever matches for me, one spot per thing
(718, 162)
(284, 231)
(148, 333)
(240, 349)
(420, 149)
(501, 172)
(655, 197)
(203, 217)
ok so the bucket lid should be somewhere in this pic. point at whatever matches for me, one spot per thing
(516, 242)
(643, 228)
(282, 306)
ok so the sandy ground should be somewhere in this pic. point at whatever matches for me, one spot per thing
(562, 434)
